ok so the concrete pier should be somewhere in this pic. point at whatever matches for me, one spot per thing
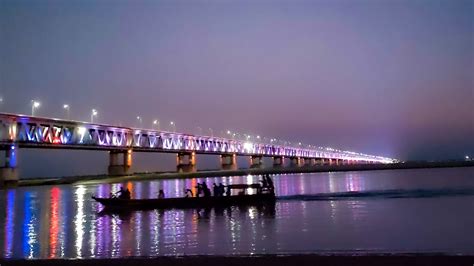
(256, 161)
(308, 162)
(295, 162)
(228, 162)
(186, 162)
(278, 161)
(318, 161)
(117, 166)
(9, 171)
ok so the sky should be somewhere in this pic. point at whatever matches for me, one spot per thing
(391, 78)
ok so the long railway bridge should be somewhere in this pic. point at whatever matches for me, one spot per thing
(19, 132)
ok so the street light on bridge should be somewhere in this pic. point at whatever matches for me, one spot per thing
(231, 135)
(139, 121)
(66, 107)
(173, 125)
(34, 106)
(93, 113)
(156, 124)
(211, 131)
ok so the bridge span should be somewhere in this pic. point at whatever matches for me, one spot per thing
(20, 131)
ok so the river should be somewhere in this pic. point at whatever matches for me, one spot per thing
(389, 211)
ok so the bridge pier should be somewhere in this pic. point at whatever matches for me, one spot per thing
(228, 162)
(118, 167)
(308, 162)
(9, 171)
(318, 161)
(278, 161)
(295, 162)
(186, 162)
(256, 161)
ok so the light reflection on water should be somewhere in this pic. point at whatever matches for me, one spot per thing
(9, 223)
(64, 222)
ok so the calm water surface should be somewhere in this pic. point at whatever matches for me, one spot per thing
(428, 210)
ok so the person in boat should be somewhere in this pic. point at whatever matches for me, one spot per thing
(161, 194)
(228, 192)
(206, 191)
(188, 193)
(127, 194)
(221, 189)
(270, 182)
(199, 190)
(264, 181)
(123, 194)
(270, 187)
(215, 190)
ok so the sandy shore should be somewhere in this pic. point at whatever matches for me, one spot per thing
(96, 179)
(273, 260)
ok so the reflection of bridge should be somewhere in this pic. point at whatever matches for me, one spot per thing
(18, 131)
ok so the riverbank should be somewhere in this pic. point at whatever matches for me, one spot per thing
(273, 260)
(96, 179)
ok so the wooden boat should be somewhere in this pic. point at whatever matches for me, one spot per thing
(263, 197)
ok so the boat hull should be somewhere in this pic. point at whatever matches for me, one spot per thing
(183, 203)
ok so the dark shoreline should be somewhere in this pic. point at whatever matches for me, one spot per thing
(273, 260)
(94, 179)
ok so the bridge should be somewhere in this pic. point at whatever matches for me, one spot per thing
(20, 131)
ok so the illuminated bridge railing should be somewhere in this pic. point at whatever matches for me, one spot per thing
(36, 132)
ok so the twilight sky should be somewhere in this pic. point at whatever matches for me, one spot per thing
(393, 78)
